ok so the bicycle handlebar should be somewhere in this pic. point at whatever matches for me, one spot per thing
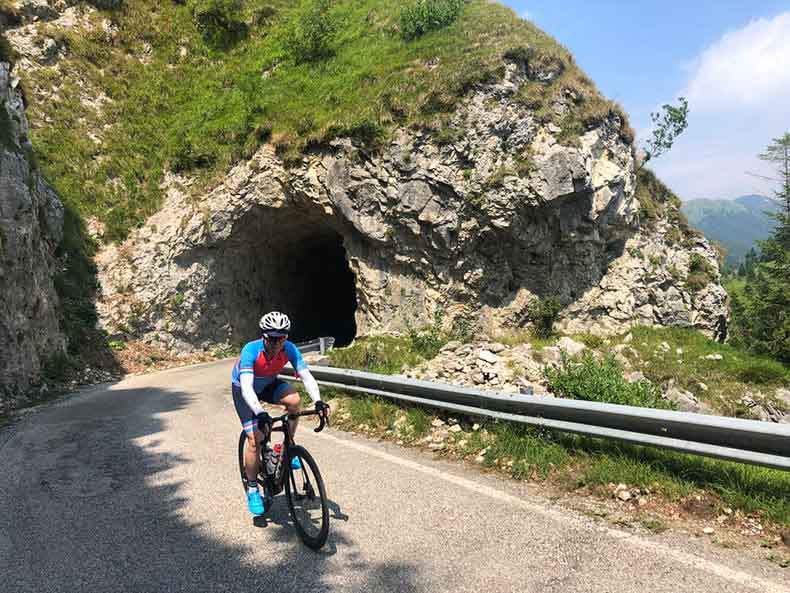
(323, 422)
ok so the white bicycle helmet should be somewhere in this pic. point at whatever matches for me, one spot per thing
(275, 324)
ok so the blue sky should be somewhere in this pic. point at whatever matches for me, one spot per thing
(731, 58)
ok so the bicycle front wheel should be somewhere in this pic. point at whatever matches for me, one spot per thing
(242, 444)
(307, 498)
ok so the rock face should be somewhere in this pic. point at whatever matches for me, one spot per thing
(646, 285)
(31, 227)
(467, 226)
(467, 232)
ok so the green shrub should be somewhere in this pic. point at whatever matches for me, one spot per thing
(497, 178)
(763, 371)
(697, 263)
(427, 341)
(603, 381)
(218, 21)
(543, 313)
(521, 54)
(590, 340)
(310, 34)
(701, 273)
(262, 16)
(428, 15)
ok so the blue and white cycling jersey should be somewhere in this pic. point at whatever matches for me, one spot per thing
(253, 361)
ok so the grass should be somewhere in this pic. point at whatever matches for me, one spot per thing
(533, 452)
(386, 355)
(728, 379)
(653, 524)
(573, 461)
(525, 336)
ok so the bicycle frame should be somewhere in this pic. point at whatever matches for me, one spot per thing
(276, 481)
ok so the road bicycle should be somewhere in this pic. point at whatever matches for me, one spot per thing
(304, 487)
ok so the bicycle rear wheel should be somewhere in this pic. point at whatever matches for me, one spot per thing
(307, 498)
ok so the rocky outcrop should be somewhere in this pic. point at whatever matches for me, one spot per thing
(488, 365)
(468, 225)
(468, 230)
(649, 284)
(31, 227)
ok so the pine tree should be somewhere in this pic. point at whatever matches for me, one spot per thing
(761, 316)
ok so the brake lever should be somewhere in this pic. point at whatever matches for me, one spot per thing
(323, 422)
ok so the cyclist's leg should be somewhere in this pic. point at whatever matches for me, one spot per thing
(252, 454)
(286, 396)
(254, 436)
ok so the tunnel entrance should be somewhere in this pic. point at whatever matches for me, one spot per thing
(321, 297)
(292, 261)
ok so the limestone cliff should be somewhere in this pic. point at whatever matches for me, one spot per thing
(31, 226)
(466, 225)
(464, 230)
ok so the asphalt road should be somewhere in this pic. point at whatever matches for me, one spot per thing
(134, 487)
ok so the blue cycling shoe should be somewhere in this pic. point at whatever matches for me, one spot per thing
(255, 502)
(296, 463)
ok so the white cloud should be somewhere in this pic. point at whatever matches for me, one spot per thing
(527, 15)
(747, 67)
(739, 100)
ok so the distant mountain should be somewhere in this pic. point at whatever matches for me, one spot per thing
(737, 224)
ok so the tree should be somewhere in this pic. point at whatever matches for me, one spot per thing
(761, 316)
(668, 124)
(779, 154)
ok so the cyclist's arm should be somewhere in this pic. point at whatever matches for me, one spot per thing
(299, 365)
(310, 384)
(248, 393)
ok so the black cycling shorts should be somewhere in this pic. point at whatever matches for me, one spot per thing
(271, 394)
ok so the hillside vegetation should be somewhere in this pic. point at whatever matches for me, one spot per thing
(195, 87)
(192, 87)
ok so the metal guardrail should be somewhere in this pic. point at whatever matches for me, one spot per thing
(322, 345)
(746, 441)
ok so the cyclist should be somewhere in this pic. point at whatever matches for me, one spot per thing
(254, 379)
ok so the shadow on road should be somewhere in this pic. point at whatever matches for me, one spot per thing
(86, 507)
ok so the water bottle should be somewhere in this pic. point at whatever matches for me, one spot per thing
(276, 454)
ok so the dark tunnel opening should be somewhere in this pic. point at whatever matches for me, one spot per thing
(322, 297)
(291, 261)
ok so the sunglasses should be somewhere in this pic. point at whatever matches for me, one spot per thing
(269, 338)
